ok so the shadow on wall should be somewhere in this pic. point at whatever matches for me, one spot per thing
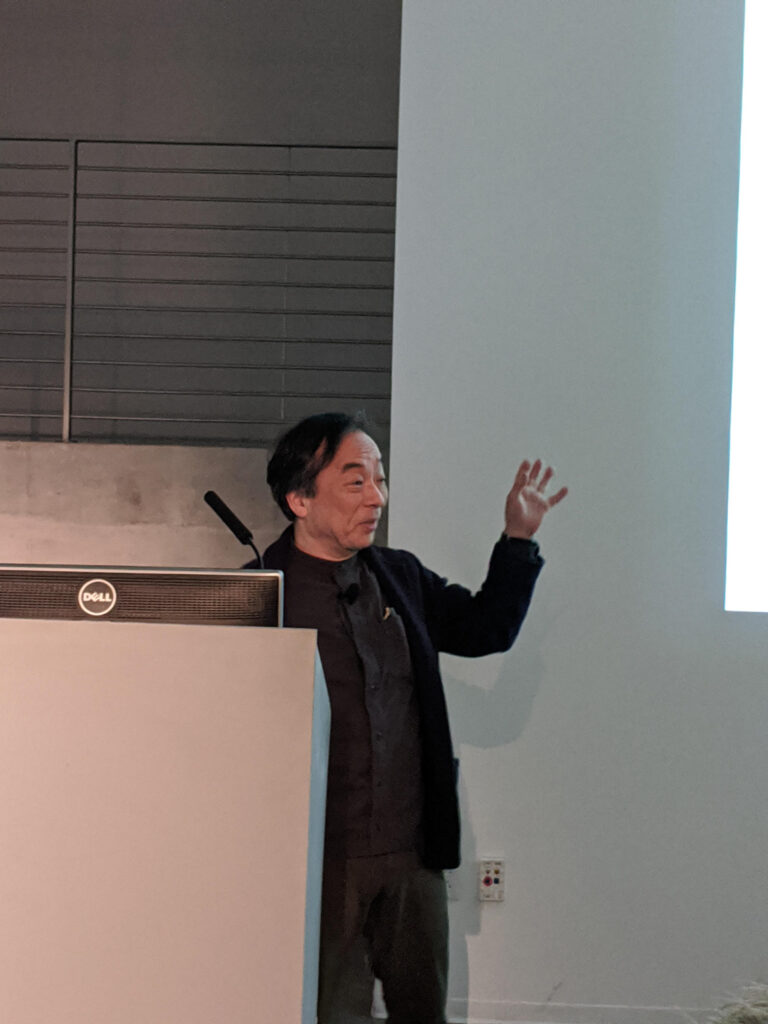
(486, 717)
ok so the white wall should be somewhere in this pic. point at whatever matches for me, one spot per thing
(564, 275)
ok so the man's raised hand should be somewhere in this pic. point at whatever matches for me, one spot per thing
(527, 503)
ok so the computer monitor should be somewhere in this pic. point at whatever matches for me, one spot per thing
(222, 597)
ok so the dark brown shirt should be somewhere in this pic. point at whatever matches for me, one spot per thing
(374, 798)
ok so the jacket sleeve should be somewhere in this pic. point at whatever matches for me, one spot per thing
(460, 622)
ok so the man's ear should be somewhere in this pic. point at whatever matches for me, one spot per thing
(297, 503)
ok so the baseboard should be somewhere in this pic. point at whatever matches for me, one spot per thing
(477, 1011)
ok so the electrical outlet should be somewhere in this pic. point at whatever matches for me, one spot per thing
(491, 879)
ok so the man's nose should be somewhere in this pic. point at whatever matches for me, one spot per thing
(377, 496)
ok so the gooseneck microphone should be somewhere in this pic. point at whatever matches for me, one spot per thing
(230, 520)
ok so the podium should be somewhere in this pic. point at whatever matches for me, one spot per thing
(162, 799)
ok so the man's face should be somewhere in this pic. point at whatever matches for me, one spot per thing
(350, 492)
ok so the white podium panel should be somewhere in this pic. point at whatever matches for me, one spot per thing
(162, 792)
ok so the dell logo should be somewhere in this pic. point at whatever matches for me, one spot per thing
(97, 597)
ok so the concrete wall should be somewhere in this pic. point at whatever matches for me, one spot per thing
(90, 504)
(564, 283)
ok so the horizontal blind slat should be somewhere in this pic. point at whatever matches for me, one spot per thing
(221, 291)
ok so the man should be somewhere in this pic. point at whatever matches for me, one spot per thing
(392, 819)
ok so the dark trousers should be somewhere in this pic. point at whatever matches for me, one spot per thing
(384, 916)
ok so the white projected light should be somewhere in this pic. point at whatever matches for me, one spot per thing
(746, 581)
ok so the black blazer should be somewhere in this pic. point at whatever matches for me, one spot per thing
(439, 616)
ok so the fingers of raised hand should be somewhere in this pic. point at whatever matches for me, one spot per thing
(521, 478)
(542, 485)
(529, 475)
(558, 497)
